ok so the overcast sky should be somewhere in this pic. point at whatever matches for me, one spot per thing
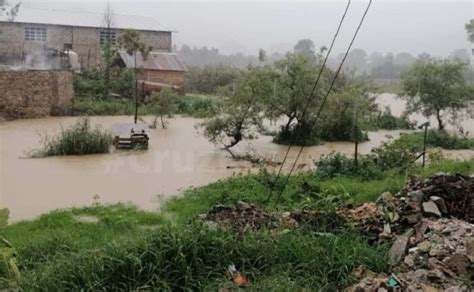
(413, 26)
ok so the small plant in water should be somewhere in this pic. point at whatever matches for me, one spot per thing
(79, 139)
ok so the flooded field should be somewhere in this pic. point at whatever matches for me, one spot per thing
(178, 158)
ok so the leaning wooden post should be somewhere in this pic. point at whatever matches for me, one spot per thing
(424, 143)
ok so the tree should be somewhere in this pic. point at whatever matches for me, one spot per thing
(470, 30)
(434, 87)
(460, 56)
(131, 42)
(240, 113)
(108, 21)
(306, 48)
(162, 103)
(9, 10)
(357, 61)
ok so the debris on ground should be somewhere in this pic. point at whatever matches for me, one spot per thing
(433, 236)
(238, 278)
(430, 225)
(441, 196)
(440, 257)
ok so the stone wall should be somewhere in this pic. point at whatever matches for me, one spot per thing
(85, 41)
(33, 94)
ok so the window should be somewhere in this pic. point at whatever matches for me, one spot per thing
(37, 34)
(104, 36)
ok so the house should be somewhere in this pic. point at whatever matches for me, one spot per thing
(84, 33)
(158, 70)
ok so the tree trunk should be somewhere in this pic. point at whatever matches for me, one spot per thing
(440, 121)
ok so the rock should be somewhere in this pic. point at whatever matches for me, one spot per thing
(470, 250)
(385, 198)
(424, 246)
(440, 203)
(243, 205)
(415, 197)
(459, 264)
(399, 247)
(431, 209)
(409, 260)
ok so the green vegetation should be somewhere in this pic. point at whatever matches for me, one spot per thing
(436, 87)
(386, 121)
(126, 249)
(441, 139)
(161, 104)
(79, 139)
(209, 79)
(198, 106)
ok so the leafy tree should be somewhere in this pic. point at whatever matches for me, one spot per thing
(9, 10)
(434, 87)
(345, 110)
(208, 79)
(460, 56)
(470, 30)
(240, 113)
(306, 48)
(162, 103)
(130, 41)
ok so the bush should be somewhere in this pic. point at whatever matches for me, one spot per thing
(208, 79)
(299, 134)
(197, 106)
(388, 156)
(386, 121)
(340, 165)
(79, 139)
(437, 138)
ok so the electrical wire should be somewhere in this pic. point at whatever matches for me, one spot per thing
(341, 21)
(326, 96)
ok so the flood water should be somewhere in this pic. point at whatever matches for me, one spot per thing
(178, 158)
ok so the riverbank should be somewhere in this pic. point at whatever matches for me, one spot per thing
(120, 247)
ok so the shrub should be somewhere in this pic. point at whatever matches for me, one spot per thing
(79, 139)
(386, 121)
(340, 165)
(197, 106)
(440, 139)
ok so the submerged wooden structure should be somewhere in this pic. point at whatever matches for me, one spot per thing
(130, 136)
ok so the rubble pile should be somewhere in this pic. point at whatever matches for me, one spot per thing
(245, 216)
(440, 196)
(431, 223)
(438, 255)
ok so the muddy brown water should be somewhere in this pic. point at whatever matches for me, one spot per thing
(178, 158)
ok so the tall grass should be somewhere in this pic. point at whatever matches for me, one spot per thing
(190, 258)
(79, 139)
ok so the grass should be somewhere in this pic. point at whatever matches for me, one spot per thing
(439, 139)
(198, 106)
(79, 139)
(130, 249)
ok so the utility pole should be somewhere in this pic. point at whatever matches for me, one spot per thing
(425, 125)
(136, 88)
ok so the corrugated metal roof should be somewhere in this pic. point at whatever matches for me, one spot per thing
(155, 61)
(85, 19)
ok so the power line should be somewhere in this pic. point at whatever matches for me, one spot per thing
(326, 96)
(312, 92)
